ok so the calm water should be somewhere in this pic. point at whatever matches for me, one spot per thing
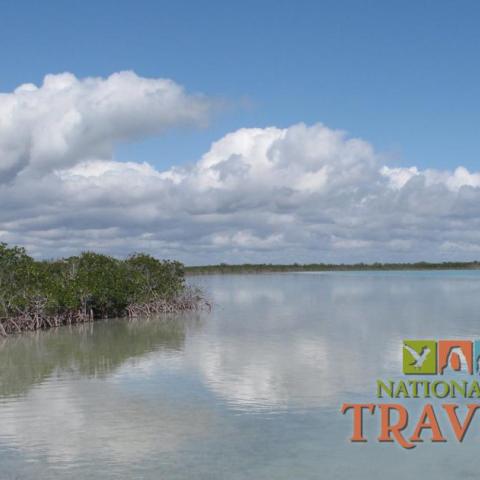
(249, 391)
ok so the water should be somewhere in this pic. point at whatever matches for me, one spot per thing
(249, 391)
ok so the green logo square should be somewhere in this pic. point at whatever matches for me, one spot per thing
(419, 357)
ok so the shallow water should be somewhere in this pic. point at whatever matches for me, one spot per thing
(249, 391)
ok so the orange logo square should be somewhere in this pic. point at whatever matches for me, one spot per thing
(455, 356)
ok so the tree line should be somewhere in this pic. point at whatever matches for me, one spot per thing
(327, 267)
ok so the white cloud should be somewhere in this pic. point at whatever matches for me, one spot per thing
(67, 120)
(303, 193)
(398, 177)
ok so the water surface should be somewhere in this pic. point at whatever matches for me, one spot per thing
(249, 391)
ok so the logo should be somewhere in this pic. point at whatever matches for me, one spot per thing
(419, 357)
(429, 357)
(455, 368)
(454, 356)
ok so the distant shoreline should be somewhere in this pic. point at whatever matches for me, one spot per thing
(324, 267)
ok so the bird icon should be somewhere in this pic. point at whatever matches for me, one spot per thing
(419, 358)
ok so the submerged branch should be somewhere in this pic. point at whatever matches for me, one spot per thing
(30, 321)
(188, 300)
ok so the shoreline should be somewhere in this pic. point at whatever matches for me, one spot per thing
(320, 267)
(188, 300)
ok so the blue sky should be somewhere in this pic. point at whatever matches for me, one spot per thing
(104, 159)
(403, 75)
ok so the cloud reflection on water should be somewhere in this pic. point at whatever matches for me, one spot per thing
(132, 393)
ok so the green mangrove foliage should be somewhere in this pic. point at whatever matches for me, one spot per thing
(40, 294)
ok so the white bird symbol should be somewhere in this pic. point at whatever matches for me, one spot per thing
(419, 358)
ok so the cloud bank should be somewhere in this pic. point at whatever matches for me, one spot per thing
(302, 193)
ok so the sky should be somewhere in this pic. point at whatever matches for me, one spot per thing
(250, 131)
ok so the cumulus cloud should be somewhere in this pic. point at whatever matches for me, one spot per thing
(67, 120)
(302, 193)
